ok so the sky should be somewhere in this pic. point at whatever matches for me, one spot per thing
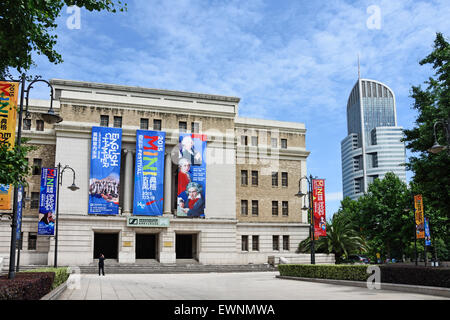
(286, 60)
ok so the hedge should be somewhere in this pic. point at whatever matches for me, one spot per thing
(61, 275)
(398, 274)
(26, 286)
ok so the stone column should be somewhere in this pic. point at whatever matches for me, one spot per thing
(167, 184)
(128, 187)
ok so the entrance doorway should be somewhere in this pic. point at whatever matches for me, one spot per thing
(146, 246)
(106, 243)
(186, 246)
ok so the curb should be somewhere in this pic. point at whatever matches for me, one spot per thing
(435, 291)
(55, 293)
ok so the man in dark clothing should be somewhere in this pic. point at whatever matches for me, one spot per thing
(101, 264)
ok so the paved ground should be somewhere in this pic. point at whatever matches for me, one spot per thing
(220, 286)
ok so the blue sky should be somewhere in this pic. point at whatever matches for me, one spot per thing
(286, 60)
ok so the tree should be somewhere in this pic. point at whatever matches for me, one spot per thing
(432, 171)
(26, 26)
(14, 167)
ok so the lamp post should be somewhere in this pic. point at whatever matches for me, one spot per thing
(437, 148)
(310, 208)
(49, 117)
(73, 187)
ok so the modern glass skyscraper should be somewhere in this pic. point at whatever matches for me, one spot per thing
(373, 145)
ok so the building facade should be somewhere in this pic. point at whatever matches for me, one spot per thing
(373, 145)
(252, 171)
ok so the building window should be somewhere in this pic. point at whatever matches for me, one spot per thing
(117, 122)
(104, 121)
(244, 207)
(26, 124)
(274, 208)
(286, 243)
(244, 245)
(255, 208)
(37, 165)
(34, 200)
(39, 125)
(276, 243)
(182, 126)
(254, 178)
(144, 124)
(195, 127)
(274, 142)
(157, 124)
(32, 239)
(284, 143)
(244, 140)
(284, 179)
(274, 179)
(254, 141)
(244, 177)
(255, 243)
(285, 208)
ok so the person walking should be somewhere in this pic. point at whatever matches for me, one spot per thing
(101, 264)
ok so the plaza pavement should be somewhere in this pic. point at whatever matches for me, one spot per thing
(219, 286)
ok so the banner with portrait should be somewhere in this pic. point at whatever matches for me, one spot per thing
(9, 92)
(149, 173)
(427, 232)
(47, 201)
(420, 223)
(320, 225)
(104, 181)
(191, 175)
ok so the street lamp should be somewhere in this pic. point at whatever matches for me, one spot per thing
(72, 187)
(437, 148)
(310, 208)
(49, 117)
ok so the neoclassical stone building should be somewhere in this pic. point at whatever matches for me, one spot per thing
(252, 175)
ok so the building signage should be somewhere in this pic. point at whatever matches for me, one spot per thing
(420, 225)
(47, 201)
(104, 182)
(319, 207)
(155, 222)
(149, 173)
(191, 175)
(8, 114)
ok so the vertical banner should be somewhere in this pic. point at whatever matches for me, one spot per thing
(9, 92)
(149, 173)
(319, 207)
(420, 226)
(427, 232)
(104, 182)
(191, 175)
(47, 201)
(19, 212)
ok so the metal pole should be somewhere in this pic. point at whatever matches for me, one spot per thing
(57, 213)
(12, 251)
(313, 254)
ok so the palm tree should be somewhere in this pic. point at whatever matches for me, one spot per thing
(341, 239)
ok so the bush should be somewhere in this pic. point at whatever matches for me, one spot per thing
(26, 286)
(61, 275)
(415, 275)
(324, 271)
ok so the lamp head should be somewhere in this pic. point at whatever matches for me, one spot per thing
(51, 117)
(300, 194)
(436, 148)
(73, 187)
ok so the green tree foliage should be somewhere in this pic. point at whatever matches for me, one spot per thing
(14, 168)
(26, 26)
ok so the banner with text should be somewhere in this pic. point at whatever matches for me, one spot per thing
(104, 182)
(47, 201)
(427, 232)
(19, 212)
(320, 225)
(9, 92)
(149, 173)
(191, 175)
(420, 225)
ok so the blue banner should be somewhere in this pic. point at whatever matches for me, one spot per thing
(19, 211)
(47, 201)
(149, 173)
(104, 182)
(191, 175)
(427, 233)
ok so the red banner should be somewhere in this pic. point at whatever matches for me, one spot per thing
(320, 226)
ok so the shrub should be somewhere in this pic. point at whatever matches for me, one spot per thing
(61, 274)
(323, 271)
(416, 275)
(26, 286)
